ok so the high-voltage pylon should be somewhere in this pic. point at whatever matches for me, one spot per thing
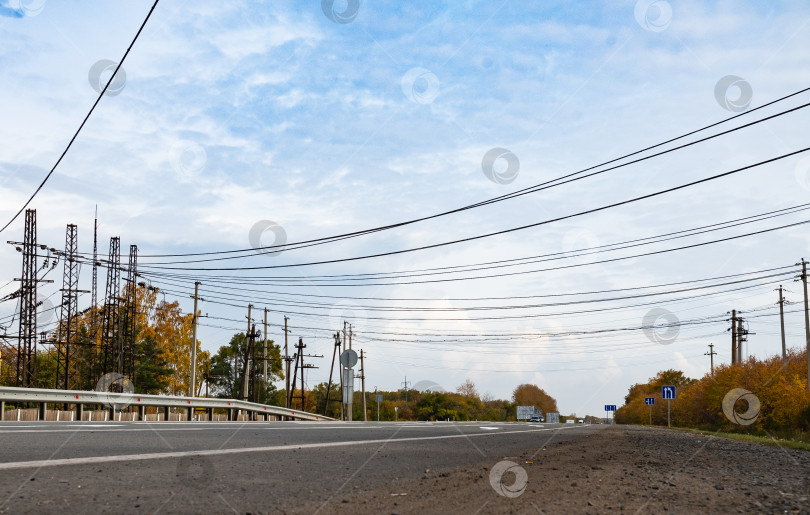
(67, 320)
(110, 332)
(27, 342)
(130, 314)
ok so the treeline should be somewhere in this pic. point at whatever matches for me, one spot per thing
(463, 404)
(778, 403)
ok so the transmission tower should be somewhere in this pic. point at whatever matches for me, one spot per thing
(27, 342)
(67, 319)
(110, 332)
(130, 312)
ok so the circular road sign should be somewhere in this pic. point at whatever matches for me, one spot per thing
(348, 358)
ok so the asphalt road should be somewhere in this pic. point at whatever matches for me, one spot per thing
(244, 467)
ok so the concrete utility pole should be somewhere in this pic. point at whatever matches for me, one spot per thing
(192, 387)
(806, 320)
(711, 355)
(266, 354)
(344, 410)
(363, 383)
(740, 339)
(733, 336)
(782, 321)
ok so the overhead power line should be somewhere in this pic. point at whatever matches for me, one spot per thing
(538, 187)
(84, 121)
(504, 231)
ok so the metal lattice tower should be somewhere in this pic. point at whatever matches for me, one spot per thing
(27, 343)
(110, 332)
(130, 313)
(67, 320)
(94, 288)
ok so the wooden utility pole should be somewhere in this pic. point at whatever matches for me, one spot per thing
(192, 386)
(733, 336)
(287, 367)
(806, 320)
(711, 355)
(247, 355)
(266, 354)
(363, 383)
(331, 370)
(782, 322)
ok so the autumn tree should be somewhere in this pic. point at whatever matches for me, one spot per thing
(533, 395)
(467, 389)
(227, 366)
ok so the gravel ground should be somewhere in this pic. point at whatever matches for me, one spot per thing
(623, 468)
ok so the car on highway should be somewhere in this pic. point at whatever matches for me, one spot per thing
(536, 419)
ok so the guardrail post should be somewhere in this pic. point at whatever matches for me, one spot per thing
(165, 413)
(190, 414)
(111, 410)
(79, 411)
(141, 412)
(210, 412)
(230, 414)
(42, 406)
(2, 409)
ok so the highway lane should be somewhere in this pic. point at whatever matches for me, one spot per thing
(240, 466)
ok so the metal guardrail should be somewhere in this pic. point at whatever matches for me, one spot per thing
(119, 401)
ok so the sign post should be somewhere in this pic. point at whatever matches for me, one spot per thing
(668, 393)
(348, 359)
(379, 400)
(608, 409)
(650, 401)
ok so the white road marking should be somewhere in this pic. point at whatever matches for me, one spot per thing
(490, 428)
(217, 452)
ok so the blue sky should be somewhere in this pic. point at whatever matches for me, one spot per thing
(248, 111)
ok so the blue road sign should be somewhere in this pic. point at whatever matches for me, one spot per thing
(667, 392)
(610, 407)
(649, 401)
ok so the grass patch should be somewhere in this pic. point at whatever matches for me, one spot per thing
(764, 440)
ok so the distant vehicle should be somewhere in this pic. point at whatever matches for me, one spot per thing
(580, 421)
(536, 419)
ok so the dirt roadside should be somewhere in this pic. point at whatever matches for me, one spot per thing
(622, 468)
